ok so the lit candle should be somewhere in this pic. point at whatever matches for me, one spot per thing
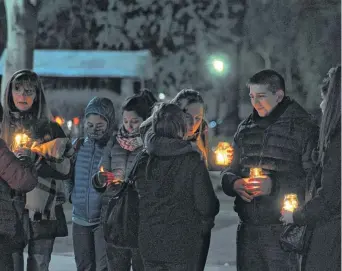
(255, 172)
(290, 202)
(223, 154)
(20, 141)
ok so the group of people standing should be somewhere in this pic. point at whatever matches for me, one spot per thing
(165, 147)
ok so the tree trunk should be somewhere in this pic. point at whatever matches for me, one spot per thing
(22, 22)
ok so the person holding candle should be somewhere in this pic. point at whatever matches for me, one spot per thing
(25, 111)
(117, 160)
(272, 158)
(87, 233)
(323, 212)
(16, 174)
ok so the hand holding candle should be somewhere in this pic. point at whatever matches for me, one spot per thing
(258, 184)
(109, 177)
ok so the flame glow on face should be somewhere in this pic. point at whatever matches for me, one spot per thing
(23, 97)
(195, 113)
(263, 100)
(131, 121)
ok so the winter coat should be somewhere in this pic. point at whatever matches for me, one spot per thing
(281, 144)
(85, 199)
(154, 143)
(37, 122)
(323, 213)
(115, 158)
(15, 175)
(177, 205)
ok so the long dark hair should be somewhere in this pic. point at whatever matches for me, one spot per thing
(141, 103)
(331, 91)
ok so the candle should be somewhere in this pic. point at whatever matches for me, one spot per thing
(290, 202)
(21, 140)
(255, 172)
(223, 154)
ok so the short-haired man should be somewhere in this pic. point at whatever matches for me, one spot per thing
(277, 137)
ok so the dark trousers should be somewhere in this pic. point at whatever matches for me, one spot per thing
(89, 248)
(258, 249)
(39, 255)
(120, 259)
(6, 260)
(204, 251)
(162, 266)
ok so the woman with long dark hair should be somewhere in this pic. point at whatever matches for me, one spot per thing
(117, 160)
(323, 212)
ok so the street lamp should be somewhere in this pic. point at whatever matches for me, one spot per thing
(218, 65)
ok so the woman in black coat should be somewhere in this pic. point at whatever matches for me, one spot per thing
(177, 202)
(323, 211)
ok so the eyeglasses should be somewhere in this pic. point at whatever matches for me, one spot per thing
(24, 92)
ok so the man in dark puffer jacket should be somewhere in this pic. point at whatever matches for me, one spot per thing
(277, 137)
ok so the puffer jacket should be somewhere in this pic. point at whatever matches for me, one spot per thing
(116, 158)
(281, 144)
(85, 199)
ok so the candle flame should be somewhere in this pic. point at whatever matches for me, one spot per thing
(290, 202)
(21, 140)
(101, 169)
(255, 172)
(223, 154)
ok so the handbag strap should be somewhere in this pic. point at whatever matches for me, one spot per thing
(309, 193)
(129, 179)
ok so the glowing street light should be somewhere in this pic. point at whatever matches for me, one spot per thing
(218, 65)
(161, 96)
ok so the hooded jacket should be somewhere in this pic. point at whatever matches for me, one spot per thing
(281, 145)
(37, 122)
(85, 199)
(177, 205)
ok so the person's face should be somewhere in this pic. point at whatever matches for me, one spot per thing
(95, 126)
(23, 97)
(194, 111)
(323, 104)
(131, 121)
(263, 100)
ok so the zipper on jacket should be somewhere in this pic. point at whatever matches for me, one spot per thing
(89, 180)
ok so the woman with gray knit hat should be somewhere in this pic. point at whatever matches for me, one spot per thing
(88, 239)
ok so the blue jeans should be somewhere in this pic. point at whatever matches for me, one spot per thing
(89, 248)
(39, 255)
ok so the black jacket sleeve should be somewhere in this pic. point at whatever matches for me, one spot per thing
(232, 173)
(327, 202)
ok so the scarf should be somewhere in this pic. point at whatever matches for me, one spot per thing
(127, 141)
(49, 192)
